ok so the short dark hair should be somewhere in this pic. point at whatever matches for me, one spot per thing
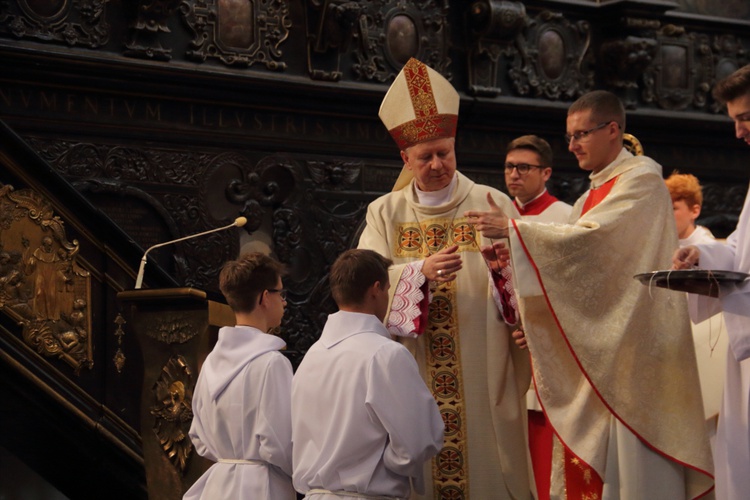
(733, 86)
(243, 280)
(354, 272)
(604, 106)
(535, 144)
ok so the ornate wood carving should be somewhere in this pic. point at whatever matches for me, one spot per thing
(331, 26)
(172, 411)
(555, 59)
(42, 284)
(119, 357)
(681, 74)
(151, 20)
(548, 55)
(729, 55)
(79, 22)
(238, 32)
(623, 62)
(389, 32)
(496, 28)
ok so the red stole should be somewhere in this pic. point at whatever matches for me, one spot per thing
(596, 195)
(537, 205)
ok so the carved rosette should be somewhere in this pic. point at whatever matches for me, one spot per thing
(554, 60)
(42, 285)
(682, 73)
(238, 32)
(72, 22)
(172, 411)
(392, 31)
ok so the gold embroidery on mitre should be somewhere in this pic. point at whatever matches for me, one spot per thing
(420, 89)
(450, 469)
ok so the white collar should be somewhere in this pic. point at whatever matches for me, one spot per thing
(439, 197)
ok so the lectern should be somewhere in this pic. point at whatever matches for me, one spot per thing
(176, 328)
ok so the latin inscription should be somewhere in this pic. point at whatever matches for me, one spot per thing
(55, 104)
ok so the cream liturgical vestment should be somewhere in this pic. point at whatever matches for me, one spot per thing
(613, 363)
(466, 354)
(242, 418)
(733, 434)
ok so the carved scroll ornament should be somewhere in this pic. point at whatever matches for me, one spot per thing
(238, 32)
(76, 22)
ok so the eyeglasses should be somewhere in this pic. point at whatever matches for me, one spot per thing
(582, 134)
(523, 168)
(280, 291)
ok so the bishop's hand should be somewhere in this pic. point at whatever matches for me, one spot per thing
(493, 223)
(443, 265)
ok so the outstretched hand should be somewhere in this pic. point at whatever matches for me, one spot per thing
(493, 223)
(497, 255)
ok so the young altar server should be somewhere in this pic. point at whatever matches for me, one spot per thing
(363, 421)
(241, 403)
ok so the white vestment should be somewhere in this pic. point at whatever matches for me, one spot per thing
(732, 455)
(614, 365)
(242, 418)
(711, 344)
(466, 354)
(363, 420)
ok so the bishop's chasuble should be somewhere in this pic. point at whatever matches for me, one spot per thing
(466, 354)
(613, 360)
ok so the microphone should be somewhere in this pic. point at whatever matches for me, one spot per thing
(238, 222)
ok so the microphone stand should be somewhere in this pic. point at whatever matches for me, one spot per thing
(238, 222)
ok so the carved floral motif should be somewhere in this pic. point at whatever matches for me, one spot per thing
(172, 411)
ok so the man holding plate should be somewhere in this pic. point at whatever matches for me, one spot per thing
(732, 457)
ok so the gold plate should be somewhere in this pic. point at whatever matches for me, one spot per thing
(699, 281)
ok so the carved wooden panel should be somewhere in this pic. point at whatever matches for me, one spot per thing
(682, 71)
(80, 22)
(547, 55)
(380, 35)
(238, 32)
(732, 9)
(43, 286)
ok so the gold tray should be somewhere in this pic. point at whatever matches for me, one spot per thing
(700, 281)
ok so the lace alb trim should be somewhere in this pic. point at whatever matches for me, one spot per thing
(405, 306)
